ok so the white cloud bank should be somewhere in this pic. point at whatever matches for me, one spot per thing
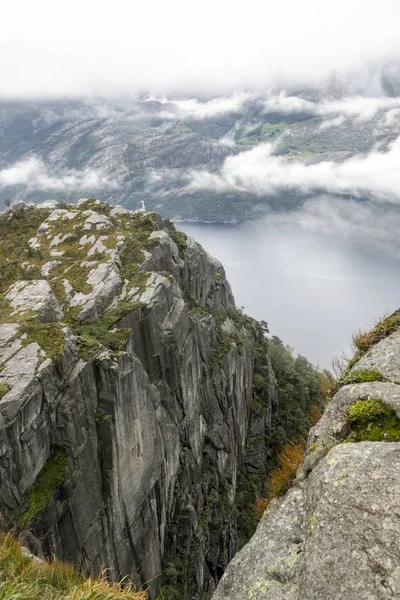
(257, 171)
(35, 175)
(91, 47)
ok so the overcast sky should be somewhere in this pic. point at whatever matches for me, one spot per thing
(89, 46)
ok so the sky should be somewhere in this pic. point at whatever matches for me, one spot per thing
(80, 48)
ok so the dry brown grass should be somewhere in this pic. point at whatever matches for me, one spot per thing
(282, 477)
(314, 415)
(326, 383)
(24, 578)
(364, 340)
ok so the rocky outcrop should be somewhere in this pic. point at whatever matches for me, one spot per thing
(126, 377)
(335, 534)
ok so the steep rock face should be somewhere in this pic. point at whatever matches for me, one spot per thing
(124, 410)
(335, 533)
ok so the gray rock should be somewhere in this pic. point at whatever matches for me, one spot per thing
(155, 433)
(18, 207)
(36, 296)
(333, 537)
(383, 357)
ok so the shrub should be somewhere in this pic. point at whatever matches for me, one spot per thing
(282, 476)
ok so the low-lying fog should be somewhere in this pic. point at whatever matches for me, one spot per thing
(313, 287)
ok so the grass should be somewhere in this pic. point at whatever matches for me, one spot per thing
(39, 494)
(23, 578)
(282, 476)
(372, 421)
(50, 337)
(364, 340)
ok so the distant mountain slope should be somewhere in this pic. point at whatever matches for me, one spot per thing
(177, 155)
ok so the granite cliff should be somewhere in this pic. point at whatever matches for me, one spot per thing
(335, 534)
(126, 393)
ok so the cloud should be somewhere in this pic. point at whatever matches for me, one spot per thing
(35, 175)
(363, 108)
(195, 109)
(101, 49)
(257, 171)
(329, 214)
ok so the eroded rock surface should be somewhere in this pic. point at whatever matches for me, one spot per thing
(336, 532)
(129, 383)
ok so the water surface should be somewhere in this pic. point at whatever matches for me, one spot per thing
(313, 289)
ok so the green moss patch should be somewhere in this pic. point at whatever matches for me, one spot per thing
(361, 376)
(49, 479)
(4, 387)
(49, 336)
(91, 338)
(372, 421)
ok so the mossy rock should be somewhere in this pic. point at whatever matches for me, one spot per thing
(361, 376)
(39, 494)
(372, 421)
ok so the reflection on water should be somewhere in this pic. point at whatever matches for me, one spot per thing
(313, 289)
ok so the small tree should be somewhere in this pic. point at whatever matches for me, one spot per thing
(7, 202)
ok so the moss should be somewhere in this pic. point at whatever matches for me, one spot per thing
(218, 276)
(372, 421)
(4, 387)
(361, 376)
(178, 237)
(49, 479)
(92, 337)
(49, 336)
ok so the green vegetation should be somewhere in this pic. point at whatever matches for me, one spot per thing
(15, 231)
(372, 421)
(49, 479)
(359, 377)
(24, 578)
(271, 130)
(178, 237)
(4, 387)
(49, 336)
(92, 337)
(302, 149)
(19, 261)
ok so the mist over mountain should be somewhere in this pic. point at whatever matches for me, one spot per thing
(243, 156)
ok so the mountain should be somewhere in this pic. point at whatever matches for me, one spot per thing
(193, 158)
(140, 411)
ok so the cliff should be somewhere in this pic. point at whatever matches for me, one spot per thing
(126, 385)
(335, 534)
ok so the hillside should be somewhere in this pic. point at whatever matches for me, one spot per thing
(140, 412)
(176, 154)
